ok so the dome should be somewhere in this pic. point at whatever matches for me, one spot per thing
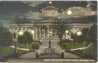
(49, 11)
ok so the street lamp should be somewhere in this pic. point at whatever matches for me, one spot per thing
(66, 31)
(69, 12)
(50, 36)
(20, 33)
(32, 31)
(79, 33)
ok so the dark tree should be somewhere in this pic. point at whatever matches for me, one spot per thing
(60, 30)
(5, 36)
(26, 38)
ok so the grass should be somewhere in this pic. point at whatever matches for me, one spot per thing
(72, 45)
(87, 53)
(27, 46)
(6, 51)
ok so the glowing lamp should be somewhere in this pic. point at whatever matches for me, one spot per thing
(21, 33)
(79, 33)
(32, 31)
(69, 12)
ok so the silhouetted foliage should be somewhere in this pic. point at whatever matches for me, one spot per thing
(26, 38)
(5, 36)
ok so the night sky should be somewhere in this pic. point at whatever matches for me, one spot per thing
(9, 10)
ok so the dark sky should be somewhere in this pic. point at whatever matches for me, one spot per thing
(10, 9)
(18, 7)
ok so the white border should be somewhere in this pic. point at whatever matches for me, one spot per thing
(61, 0)
(48, 0)
(69, 60)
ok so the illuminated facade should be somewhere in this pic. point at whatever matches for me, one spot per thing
(55, 29)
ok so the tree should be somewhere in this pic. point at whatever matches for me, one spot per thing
(26, 38)
(5, 36)
(60, 29)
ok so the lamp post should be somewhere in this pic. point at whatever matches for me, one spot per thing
(49, 43)
(50, 33)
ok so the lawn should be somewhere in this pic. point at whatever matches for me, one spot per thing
(72, 45)
(6, 51)
(85, 53)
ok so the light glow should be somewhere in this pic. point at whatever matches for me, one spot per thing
(32, 31)
(69, 12)
(50, 2)
(66, 31)
(50, 32)
(21, 33)
(79, 33)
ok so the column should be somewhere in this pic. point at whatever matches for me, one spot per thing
(40, 32)
(36, 32)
